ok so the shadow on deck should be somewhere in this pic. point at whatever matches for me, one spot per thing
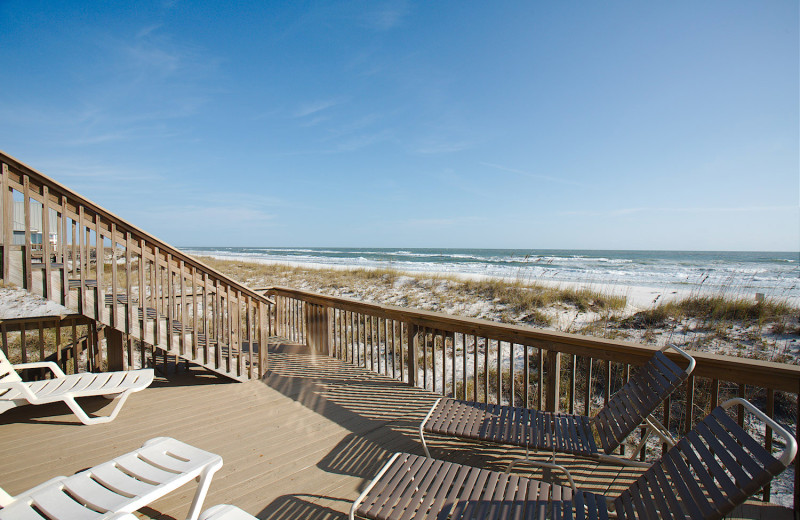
(301, 443)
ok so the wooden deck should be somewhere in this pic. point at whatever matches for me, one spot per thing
(301, 444)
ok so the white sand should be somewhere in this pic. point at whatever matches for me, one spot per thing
(18, 303)
(638, 297)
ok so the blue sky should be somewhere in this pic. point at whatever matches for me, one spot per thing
(613, 125)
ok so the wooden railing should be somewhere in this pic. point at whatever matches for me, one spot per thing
(102, 267)
(484, 361)
(70, 341)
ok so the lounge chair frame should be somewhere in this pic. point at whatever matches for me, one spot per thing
(122, 485)
(709, 472)
(613, 434)
(112, 385)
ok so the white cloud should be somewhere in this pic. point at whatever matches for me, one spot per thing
(442, 147)
(386, 16)
(533, 175)
(444, 222)
(630, 211)
(316, 106)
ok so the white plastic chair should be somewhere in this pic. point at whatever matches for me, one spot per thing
(122, 485)
(220, 512)
(112, 385)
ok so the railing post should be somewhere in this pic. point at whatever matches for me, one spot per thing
(263, 321)
(310, 336)
(326, 329)
(413, 348)
(6, 223)
(114, 349)
(552, 402)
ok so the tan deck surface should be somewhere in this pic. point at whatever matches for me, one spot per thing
(301, 444)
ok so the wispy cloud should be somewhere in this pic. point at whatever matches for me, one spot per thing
(74, 169)
(357, 142)
(316, 106)
(216, 216)
(635, 210)
(532, 175)
(131, 85)
(387, 15)
(442, 147)
(444, 222)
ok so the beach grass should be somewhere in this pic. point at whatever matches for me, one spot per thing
(516, 297)
(719, 308)
(768, 329)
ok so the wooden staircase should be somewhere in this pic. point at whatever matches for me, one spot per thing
(67, 249)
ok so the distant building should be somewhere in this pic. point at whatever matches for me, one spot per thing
(36, 224)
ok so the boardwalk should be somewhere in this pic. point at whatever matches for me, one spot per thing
(299, 445)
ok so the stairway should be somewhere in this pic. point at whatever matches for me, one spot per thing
(60, 246)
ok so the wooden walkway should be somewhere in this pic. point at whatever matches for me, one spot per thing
(301, 444)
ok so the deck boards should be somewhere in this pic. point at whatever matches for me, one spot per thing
(302, 443)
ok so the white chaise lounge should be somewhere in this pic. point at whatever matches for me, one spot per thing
(122, 485)
(220, 512)
(113, 385)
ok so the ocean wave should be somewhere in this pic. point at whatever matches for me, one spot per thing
(724, 272)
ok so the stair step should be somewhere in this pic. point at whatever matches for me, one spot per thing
(177, 328)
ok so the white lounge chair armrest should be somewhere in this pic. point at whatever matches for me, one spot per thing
(787, 456)
(225, 512)
(22, 387)
(5, 498)
(683, 353)
(42, 364)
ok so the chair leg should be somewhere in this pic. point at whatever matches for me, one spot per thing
(422, 426)
(84, 417)
(202, 490)
(547, 465)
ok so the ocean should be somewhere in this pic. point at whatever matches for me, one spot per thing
(776, 274)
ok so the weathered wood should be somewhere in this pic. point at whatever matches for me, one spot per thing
(413, 353)
(781, 377)
(28, 275)
(115, 347)
(553, 392)
(100, 261)
(82, 265)
(129, 305)
(182, 275)
(37, 181)
(48, 280)
(62, 248)
(6, 221)
(114, 276)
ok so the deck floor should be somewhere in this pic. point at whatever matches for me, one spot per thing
(300, 444)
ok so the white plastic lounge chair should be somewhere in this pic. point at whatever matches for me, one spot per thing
(112, 385)
(122, 485)
(709, 472)
(220, 512)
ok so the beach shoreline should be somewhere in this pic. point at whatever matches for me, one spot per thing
(638, 297)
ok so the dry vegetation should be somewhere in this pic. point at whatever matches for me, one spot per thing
(765, 330)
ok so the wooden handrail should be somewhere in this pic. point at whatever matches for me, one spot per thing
(476, 360)
(166, 299)
(57, 190)
(728, 368)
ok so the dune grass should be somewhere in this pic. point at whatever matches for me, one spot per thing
(717, 309)
(516, 297)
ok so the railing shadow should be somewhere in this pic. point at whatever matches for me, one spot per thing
(291, 507)
(55, 413)
(383, 417)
